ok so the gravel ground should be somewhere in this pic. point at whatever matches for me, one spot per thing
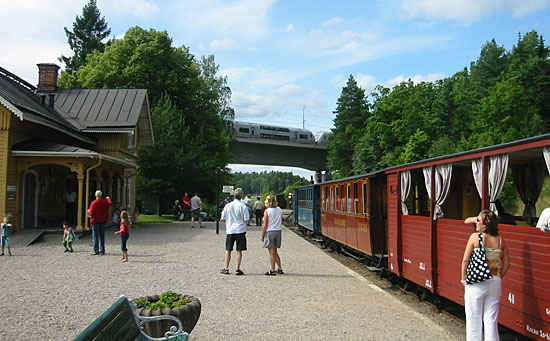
(47, 294)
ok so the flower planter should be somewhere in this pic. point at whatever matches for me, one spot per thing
(188, 314)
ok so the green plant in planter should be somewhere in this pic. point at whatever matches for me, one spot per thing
(167, 300)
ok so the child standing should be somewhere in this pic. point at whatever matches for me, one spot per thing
(68, 237)
(136, 217)
(6, 234)
(124, 234)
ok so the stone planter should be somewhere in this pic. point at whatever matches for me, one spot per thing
(188, 315)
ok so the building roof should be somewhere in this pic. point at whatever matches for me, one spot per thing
(107, 110)
(19, 97)
(38, 148)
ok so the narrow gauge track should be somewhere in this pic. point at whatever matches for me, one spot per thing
(445, 312)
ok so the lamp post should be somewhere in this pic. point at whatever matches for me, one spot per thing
(217, 202)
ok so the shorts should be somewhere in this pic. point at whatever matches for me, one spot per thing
(272, 240)
(5, 241)
(196, 213)
(239, 238)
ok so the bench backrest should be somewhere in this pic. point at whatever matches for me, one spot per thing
(117, 323)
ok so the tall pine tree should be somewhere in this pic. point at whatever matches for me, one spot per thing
(351, 114)
(87, 36)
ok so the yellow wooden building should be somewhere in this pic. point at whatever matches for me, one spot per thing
(54, 142)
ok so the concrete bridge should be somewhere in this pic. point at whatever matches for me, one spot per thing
(280, 153)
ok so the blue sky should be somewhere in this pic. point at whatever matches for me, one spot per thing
(289, 59)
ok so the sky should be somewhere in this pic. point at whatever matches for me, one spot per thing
(287, 61)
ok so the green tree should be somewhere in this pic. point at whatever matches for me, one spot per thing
(187, 117)
(89, 31)
(351, 114)
(530, 62)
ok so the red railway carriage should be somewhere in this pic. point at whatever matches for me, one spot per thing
(428, 201)
(353, 213)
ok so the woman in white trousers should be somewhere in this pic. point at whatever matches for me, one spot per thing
(481, 300)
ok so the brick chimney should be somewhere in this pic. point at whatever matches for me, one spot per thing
(47, 77)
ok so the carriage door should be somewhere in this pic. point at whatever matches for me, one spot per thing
(29, 201)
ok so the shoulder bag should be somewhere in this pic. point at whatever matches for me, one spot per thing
(478, 268)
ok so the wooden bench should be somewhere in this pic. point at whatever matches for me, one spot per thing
(120, 322)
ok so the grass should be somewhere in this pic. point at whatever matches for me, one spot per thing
(153, 218)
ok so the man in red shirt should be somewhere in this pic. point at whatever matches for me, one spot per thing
(99, 215)
(186, 205)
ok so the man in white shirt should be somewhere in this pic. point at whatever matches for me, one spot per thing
(235, 215)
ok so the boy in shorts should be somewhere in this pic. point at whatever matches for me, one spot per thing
(236, 216)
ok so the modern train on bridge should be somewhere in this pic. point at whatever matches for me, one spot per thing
(279, 133)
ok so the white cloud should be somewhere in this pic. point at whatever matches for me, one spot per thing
(432, 77)
(225, 44)
(525, 7)
(289, 28)
(287, 105)
(333, 21)
(467, 12)
(369, 82)
(246, 19)
(139, 8)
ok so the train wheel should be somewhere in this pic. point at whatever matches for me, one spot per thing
(438, 302)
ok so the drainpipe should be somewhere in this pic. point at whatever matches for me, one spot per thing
(127, 190)
(88, 190)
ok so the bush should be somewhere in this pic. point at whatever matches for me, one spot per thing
(168, 299)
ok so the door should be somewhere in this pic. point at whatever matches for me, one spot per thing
(29, 201)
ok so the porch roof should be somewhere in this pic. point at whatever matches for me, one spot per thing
(39, 148)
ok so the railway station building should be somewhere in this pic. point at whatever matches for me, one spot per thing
(57, 141)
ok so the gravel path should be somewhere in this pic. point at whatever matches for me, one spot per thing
(47, 294)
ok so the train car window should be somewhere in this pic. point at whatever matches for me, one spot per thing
(418, 202)
(349, 205)
(244, 130)
(275, 137)
(252, 132)
(342, 200)
(303, 136)
(332, 198)
(365, 198)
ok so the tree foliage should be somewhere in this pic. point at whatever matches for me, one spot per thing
(190, 104)
(89, 31)
(351, 113)
(263, 182)
(503, 96)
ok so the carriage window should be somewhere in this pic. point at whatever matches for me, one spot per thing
(418, 202)
(342, 200)
(303, 136)
(244, 130)
(355, 198)
(365, 210)
(348, 197)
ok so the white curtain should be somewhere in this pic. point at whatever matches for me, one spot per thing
(442, 182)
(497, 177)
(405, 189)
(546, 153)
(477, 173)
(498, 166)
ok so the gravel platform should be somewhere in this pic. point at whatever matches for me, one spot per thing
(47, 294)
